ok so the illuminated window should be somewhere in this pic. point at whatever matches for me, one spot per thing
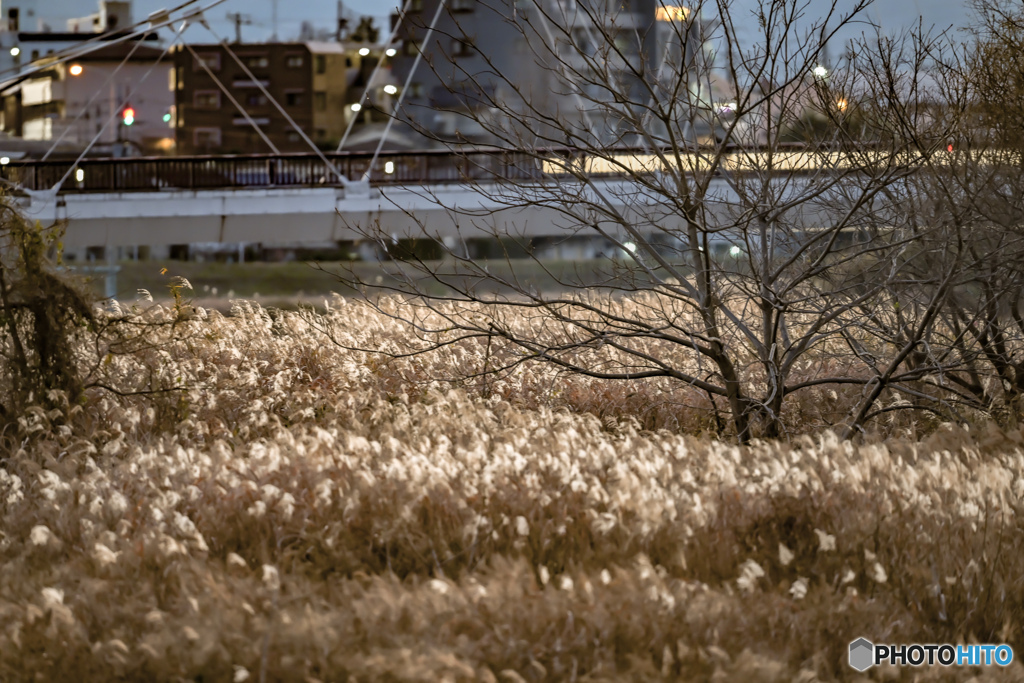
(670, 13)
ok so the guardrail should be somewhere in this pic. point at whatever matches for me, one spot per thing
(134, 174)
(286, 170)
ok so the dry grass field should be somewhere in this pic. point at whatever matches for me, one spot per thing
(301, 512)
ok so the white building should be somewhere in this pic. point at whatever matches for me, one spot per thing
(73, 101)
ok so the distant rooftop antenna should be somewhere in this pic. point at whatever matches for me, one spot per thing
(339, 34)
(273, 20)
(239, 21)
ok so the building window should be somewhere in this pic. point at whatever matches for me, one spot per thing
(411, 48)
(321, 64)
(256, 99)
(210, 59)
(293, 98)
(206, 138)
(293, 136)
(256, 61)
(462, 48)
(320, 101)
(416, 90)
(321, 134)
(294, 61)
(206, 99)
(12, 19)
(180, 78)
(462, 5)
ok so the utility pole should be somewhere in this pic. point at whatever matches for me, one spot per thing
(273, 20)
(239, 20)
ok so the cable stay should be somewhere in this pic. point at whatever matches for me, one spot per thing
(373, 74)
(405, 89)
(345, 182)
(95, 96)
(52, 192)
(227, 93)
(155, 21)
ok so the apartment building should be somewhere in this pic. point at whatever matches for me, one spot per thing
(318, 84)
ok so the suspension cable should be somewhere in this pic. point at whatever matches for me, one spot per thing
(235, 102)
(99, 134)
(373, 74)
(95, 95)
(298, 129)
(405, 88)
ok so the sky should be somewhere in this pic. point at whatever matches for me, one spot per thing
(890, 14)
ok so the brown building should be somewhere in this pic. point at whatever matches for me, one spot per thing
(311, 81)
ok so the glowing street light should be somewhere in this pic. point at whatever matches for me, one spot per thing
(15, 51)
(390, 89)
(357, 107)
(79, 175)
(391, 52)
(4, 161)
(363, 51)
(75, 69)
(820, 71)
(389, 167)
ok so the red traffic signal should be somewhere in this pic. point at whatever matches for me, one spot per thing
(128, 115)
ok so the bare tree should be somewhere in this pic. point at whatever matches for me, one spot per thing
(978, 189)
(744, 266)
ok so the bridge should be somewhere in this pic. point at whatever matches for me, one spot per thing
(297, 198)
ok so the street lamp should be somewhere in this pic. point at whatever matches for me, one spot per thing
(820, 72)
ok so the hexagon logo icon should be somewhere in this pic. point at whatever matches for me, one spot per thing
(862, 654)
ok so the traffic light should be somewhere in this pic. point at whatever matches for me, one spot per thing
(128, 115)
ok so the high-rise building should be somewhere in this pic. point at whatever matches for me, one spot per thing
(568, 59)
